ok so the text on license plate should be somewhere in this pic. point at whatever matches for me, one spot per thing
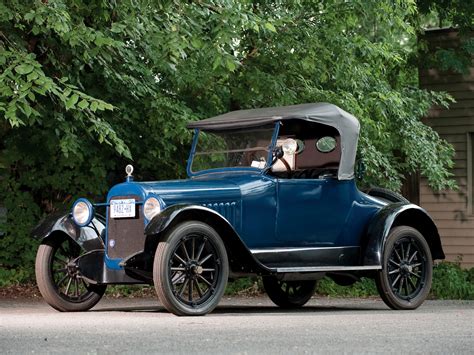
(122, 208)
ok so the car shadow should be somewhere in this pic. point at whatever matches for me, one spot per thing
(252, 309)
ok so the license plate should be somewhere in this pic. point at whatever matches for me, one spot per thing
(122, 208)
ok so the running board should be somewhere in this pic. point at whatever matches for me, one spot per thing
(326, 268)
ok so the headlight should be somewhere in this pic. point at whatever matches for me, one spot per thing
(151, 208)
(82, 212)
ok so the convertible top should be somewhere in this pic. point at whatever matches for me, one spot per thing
(324, 113)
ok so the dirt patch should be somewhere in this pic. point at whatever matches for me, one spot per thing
(31, 292)
(27, 291)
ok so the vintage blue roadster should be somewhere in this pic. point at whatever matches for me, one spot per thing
(271, 192)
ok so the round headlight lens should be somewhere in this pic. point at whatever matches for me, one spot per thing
(82, 212)
(151, 208)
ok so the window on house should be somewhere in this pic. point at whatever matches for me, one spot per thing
(470, 172)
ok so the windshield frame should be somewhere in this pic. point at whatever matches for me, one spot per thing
(192, 153)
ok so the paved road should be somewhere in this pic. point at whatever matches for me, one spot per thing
(239, 326)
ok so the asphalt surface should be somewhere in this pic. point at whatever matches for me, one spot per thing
(239, 326)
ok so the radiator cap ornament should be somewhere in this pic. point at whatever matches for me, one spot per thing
(129, 171)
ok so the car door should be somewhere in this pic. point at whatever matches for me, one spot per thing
(313, 212)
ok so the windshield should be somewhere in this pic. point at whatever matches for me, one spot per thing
(243, 148)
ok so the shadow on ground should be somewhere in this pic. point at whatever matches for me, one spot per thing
(252, 309)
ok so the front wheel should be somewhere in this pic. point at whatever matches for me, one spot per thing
(407, 268)
(190, 270)
(59, 281)
(289, 294)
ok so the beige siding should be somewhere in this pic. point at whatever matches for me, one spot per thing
(450, 209)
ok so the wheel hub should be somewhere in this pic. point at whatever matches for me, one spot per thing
(405, 269)
(194, 269)
(72, 269)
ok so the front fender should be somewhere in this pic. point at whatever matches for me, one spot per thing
(87, 237)
(160, 222)
(397, 214)
(240, 257)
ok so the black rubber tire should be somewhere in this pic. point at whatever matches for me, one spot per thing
(48, 285)
(165, 281)
(385, 195)
(288, 294)
(395, 253)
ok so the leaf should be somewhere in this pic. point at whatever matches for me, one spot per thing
(30, 16)
(196, 43)
(117, 27)
(104, 106)
(83, 104)
(27, 110)
(269, 26)
(24, 69)
(230, 64)
(32, 76)
(93, 106)
(72, 101)
(217, 62)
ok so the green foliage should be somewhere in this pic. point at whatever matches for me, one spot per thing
(450, 13)
(363, 288)
(244, 285)
(87, 85)
(9, 277)
(452, 282)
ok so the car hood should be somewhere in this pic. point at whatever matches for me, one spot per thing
(200, 190)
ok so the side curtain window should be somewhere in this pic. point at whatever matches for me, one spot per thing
(318, 154)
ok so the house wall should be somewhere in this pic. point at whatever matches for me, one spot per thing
(453, 211)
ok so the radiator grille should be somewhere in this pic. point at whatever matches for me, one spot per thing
(125, 234)
(227, 209)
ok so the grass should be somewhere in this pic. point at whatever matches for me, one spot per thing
(450, 281)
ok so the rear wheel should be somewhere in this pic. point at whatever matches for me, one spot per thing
(405, 279)
(59, 279)
(288, 294)
(190, 270)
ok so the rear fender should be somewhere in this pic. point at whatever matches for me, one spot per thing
(88, 237)
(398, 214)
(240, 257)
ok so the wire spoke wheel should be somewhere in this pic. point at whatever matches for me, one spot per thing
(194, 270)
(406, 268)
(191, 269)
(405, 279)
(59, 279)
(288, 294)
(65, 274)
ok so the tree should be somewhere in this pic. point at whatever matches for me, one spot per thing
(86, 86)
(455, 13)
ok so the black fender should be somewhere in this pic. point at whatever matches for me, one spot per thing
(397, 214)
(91, 264)
(93, 270)
(88, 237)
(240, 257)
